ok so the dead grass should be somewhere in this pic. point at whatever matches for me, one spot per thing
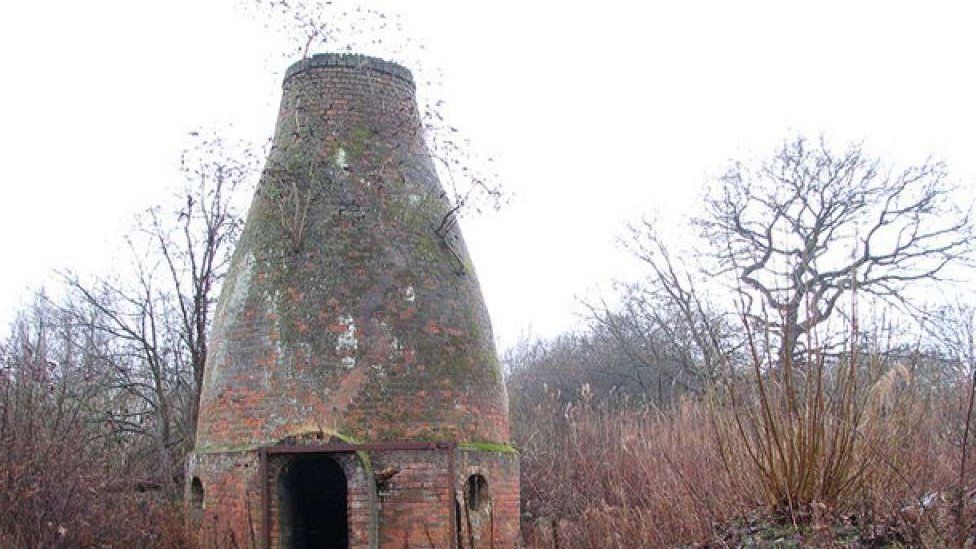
(594, 476)
(601, 475)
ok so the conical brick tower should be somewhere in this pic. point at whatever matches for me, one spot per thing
(353, 396)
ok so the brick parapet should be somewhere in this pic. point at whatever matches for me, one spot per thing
(351, 61)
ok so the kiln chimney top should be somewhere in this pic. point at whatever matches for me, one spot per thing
(350, 60)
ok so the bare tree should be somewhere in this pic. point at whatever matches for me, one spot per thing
(803, 228)
(68, 469)
(146, 361)
(643, 350)
(644, 344)
(157, 310)
(665, 337)
(196, 240)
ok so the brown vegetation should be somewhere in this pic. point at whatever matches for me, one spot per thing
(596, 474)
(724, 423)
(671, 421)
(68, 478)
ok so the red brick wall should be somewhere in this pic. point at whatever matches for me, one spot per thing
(232, 503)
(500, 522)
(413, 509)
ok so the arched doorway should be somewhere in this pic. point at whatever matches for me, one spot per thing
(312, 495)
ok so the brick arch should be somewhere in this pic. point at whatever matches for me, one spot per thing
(362, 514)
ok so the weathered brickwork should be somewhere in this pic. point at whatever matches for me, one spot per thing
(413, 508)
(352, 314)
(501, 502)
(231, 498)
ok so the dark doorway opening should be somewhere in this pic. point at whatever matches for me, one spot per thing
(196, 502)
(312, 493)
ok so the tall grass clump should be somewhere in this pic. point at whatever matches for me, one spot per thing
(800, 423)
(828, 429)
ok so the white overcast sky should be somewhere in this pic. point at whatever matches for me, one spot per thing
(596, 113)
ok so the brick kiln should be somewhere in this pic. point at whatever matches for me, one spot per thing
(353, 396)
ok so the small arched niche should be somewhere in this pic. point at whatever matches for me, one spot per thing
(196, 494)
(476, 493)
(196, 501)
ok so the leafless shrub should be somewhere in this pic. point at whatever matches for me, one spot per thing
(65, 480)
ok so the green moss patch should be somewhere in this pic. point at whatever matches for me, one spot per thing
(484, 446)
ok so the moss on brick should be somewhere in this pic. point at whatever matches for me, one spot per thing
(483, 446)
(370, 233)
